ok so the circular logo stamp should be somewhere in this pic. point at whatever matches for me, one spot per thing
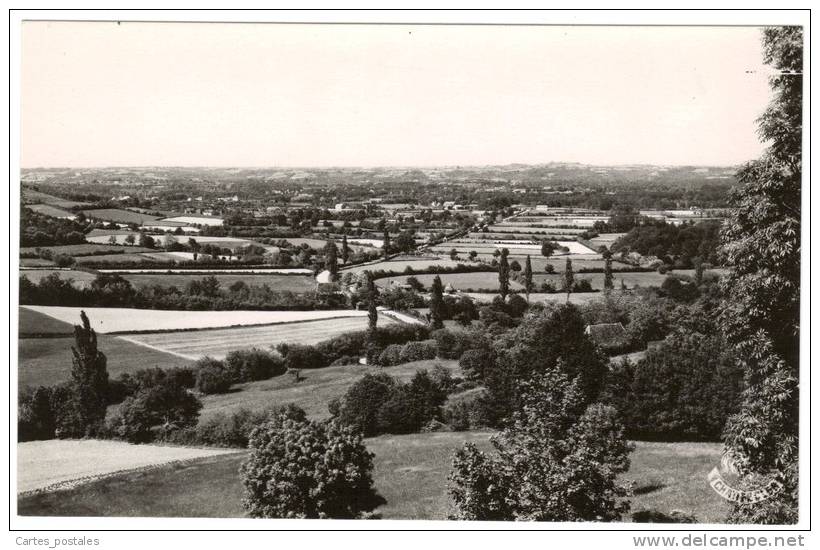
(725, 479)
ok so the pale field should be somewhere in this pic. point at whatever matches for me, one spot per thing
(80, 278)
(259, 271)
(538, 297)
(217, 343)
(41, 464)
(575, 248)
(118, 237)
(52, 211)
(400, 265)
(478, 280)
(114, 319)
(195, 220)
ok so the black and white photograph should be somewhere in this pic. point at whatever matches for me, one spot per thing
(544, 274)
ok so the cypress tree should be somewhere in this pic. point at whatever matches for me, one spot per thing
(437, 303)
(528, 277)
(569, 278)
(89, 378)
(372, 320)
(345, 250)
(504, 274)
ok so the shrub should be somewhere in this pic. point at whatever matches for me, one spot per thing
(301, 356)
(451, 344)
(417, 351)
(550, 465)
(154, 411)
(253, 364)
(234, 430)
(360, 406)
(35, 418)
(302, 469)
(475, 363)
(391, 355)
(212, 376)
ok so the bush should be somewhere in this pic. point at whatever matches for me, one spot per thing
(557, 461)
(301, 356)
(302, 469)
(212, 376)
(417, 351)
(683, 390)
(360, 406)
(253, 364)
(35, 419)
(391, 355)
(234, 430)
(154, 412)
(475, 363)
(451, 344)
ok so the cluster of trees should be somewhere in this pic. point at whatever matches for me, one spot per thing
(40, 230)
(207, 293)
(379, 403)
(678, 246)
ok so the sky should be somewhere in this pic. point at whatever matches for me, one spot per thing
(179, 94)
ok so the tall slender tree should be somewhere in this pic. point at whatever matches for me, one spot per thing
(504, 274)
(528, 285)
(89, 378)
(569, 278)
(331, 259)
(761, 243)
(345, 250)
(437, 303)
(609, 283)
(372, 319)
(386, 249)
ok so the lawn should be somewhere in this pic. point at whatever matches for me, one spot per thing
(39, 196)
(313, 394)
(33, 323)
(123, 320)
(218, 343)
(127, 258)
(291, 283)
(80, 278)
(54, 212)
(478, 280)
(88, 249)
(47, 361)
(410, 472)
(119, 215)
(398, 266)
(43, 464)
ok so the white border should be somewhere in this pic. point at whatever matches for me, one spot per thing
(74, 525)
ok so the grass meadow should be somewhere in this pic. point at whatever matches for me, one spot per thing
(410, 473)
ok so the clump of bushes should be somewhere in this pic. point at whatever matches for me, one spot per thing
(379, 403)
(254, 364)
(153, 412)
(396, 354)
(212, 376)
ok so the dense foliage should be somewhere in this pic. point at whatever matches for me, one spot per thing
(303, 469)
(761, 242)
(676, 245)
(558, 460)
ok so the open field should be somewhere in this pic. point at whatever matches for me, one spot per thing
(40, 197)
(113, 319)
(478, 280)
(313, 394)
(119, 215)
(32, 322)
(80, 278)
(35, 262)
(218, 343)
(197, 220)
(559, 297)
(84, 249)
(129, 257)
(45, 463)
(47, 361)
(53, 211)
(410, 473)
(398, 265)
(292, 283)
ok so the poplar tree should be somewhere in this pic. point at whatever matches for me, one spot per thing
(89, 379)
(437, 303)
(528, 277)
(504, 274)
